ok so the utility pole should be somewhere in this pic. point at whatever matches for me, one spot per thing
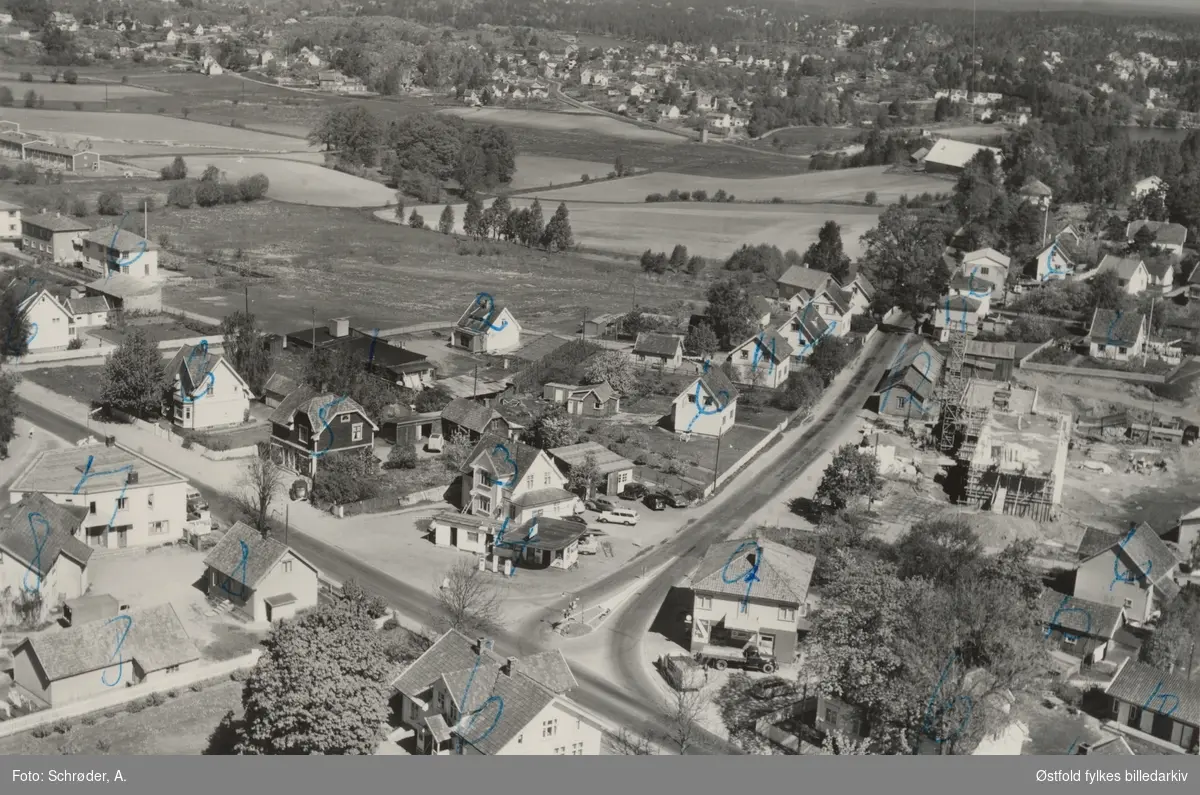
(247, 289)
(871, 496)
(146, 219)
(974, 82)
(1149, 332)
(717, 464)
(475, 386)
(314, 328)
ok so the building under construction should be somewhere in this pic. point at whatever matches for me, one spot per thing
(1012, 458)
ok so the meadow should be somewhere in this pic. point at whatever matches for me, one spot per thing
(566, 120)
(65, 92)
(536, 171)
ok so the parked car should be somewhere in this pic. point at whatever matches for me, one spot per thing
(434, 443)
(676, 500)
(634, 491)
(655, 502)
(575, 518)
(620, 516)
(588, 545)
(600, 504)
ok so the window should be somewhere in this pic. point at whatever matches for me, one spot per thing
(122, 503)
(804, 609)
(560, 751)
(704, 603)
(1116, 707)
(1123, 350)
(413, 710)
(172, 669)
(984, 271)
(550, 727)
(577, 749)
(92, 507)
(520, 739)
(484, 478)
(345, 418)
(691, 398)
(787, 614)
(485, 505)
(1070, 640)
(831, 715)
(539, 512)
(212, 388)
(287, 567)
(159, 528)
(472, 538)
(442, 700)
(1129, 603)
(356, 432)
(150, 500)
(708, 401)
(187, 412)
(529, 482)
(546, 480)
(302, 434)
(745, 354)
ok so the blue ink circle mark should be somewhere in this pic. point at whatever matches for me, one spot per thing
(1062, 608)
(700, 409)
(239, 569)
(750, 576)
(39, 543)
(1109, 336)
(115, 259)
(117, 652)
(483, 299)
(1129, 576)
(516, 473)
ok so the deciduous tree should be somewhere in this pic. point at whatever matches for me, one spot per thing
(730, 312)
(852, 473)
(558, 231)
(262, 480)
(134, 379)
(469, 598)
(446, 222)
(551, 429)
(246, 347)
(827, 254)
(611, 366)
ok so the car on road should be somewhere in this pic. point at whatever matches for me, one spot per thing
(620, 516)
(675, 500)
(655, 502)
(634, 491)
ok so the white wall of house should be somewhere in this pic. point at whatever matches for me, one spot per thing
(290, 575)
(67, 579)
(558, 730)
(55, 326)
(98, 258)
(224, 401)
(1137, 282)
(766, 374)
(1100, 350)
(149, 524)
(688, 419)
(1181, 733)
(1097, 581)
(944, 326)
(10, 224)
(751, 615)
(506, 339)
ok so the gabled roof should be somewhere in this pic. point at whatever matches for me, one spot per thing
(494, 461)
(470, 414)
(57, 223)
(802, 278)
(306, 399)
(839, 298)
(783, 574)
(36, 298)
(1080, 616)
(87, 305)
(259, 556)
(760, 306)
(1035, 187)
(987, 254)
(714, 382)
(1140, 550)
(1165, 234)
(603, 392)
(1160, 268)
(955, 303)
(20, 522)
(946, 151)
(553, 535)
(193, 363)
(1114, 327)
(279, 384)
(771, 344)
(812, 324)
(1125, 268)
(653, 343)
(606, 460)
(153, 637)
(920, 369)
(863, 283)
(1142, 685)
(972, 284)
(120, 239)
(480, 317)
(991, 350)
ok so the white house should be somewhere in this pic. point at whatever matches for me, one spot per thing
(956, 313)
(40, 552)
(1132, 275)
(1053, 264)
(637, 90)
(707, 406)
(114, 250)
(989, 264)
(206, 392)
(1169, 237)
(10, 222)
(1132, 570)
(89, 311)
(763, 360)
(486, 328)
(51, 326)
(1116, 335)
(130, 500)
(976, 287)
(452, 697)
(834, 305)
(803, 329)
(507, 479)
(260, 576)
(1146, 186)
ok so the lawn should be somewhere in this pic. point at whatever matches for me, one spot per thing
(65, 92)
(83, 382)
(331, 262)
(179, 726)
(291, 181)
(162, 329)
(429, 473)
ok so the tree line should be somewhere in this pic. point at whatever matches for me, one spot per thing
(209, 190)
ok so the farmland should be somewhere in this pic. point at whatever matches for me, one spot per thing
(65, 92)
(534, 171)
(543, 120)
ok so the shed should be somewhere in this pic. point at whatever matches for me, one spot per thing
(615, 470)
(86, 609)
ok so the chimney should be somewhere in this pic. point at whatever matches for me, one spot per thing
(508, 667)
(480, 645)
(1083, 748)
(132, 478)
(339, 327)
(110, 441)
(751, 558)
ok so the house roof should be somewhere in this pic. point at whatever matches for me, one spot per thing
(279, 384)
(533, 682)
(1125, 268)
(19, 523)
(1035, 187)
(550, 496)
(603, 391)
(606, 460)
(1114, 746)
(956, 303)
(522, 454)
(991, 350)
(87, 305)
(761, 306)
(835, 295)
(972, 284)
(61, 471)
(196, 362)
(812, 323)
(1165, 234)
(987, 254)
(1079, 615)
(120, 239)
(1114, 327)
(470, 414)
(380, 353)
(306, 399)
(864, 284)
(802, 278)
(653, 343)
(1160, 267)
(1142, 685)
(30, 301)
(123, 285)
(773, 344)
(539, 348)
(948, 152)
(782, 575)
(1141, 551)
(56, 223)
(481, 316)
(259, 556)
(153, 637)
(552, 534)
(714, 382)
(919, 369)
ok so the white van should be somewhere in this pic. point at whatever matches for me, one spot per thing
(619, 516)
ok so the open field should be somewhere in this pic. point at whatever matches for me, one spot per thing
(148, 128)
(535, 171)
(815, 186)
(707, 229)
(291, 181)
(542, 120)
(65, 92)
(346, 263)
(806, 140)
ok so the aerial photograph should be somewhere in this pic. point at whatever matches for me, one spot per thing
(648, 378)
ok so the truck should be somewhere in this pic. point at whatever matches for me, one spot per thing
(750, 658)
(683, 672)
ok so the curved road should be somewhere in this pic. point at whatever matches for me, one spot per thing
(635, 703)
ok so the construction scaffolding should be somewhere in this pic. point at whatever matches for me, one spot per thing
(952, 390)
(1017, 463)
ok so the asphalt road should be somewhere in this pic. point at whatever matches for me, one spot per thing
(635, 704)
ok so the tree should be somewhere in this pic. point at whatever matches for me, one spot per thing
(620, 167)
(1172, 645)
(16, 326)
(827, 254)
(871, 199)
(31, 98)
(536, 224)
(415, 220)
(701, 341)
(421, 185)
(685, 710)
(211, 174)
(551, 429)
(801, 390)
(654, 261)
(762, 258)
(978, 188)
(355, 133)
(433, 399)
(177, 170)
(695, 265)
(320, 687)
(110, 203)
(262, 480)
(612, 366)
(246, 346)
(208, 193)
(402, 456)
(679, 257)
(133, 379)
(70, 76)
(357, 596)
(1106, 290)
(446, 222)
(903, 258)
(730, 312)
(346, 477)
(473, 218)
(585, 476)
(851, 474)
(940, 550)
(829, 357)
(9, 410)
(26, 174)
(469, 598)
(6, 97)
(253, 187)
(627, 742)
(456, 450)
(558, 231)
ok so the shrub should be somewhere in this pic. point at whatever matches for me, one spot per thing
(182, 195)
(79, 208)
(872, 198)
(585, 178)
(90, 720)
(196, 688)
(31, 98)
(61, 726)
(6, 97)
(102, 745)
(27, 174)
(403, 456)
(158, 699)
(240, 675)
(700, 195)
(208, 194)
(70, 76)
(188, 444)
(41, 732)
(136, 706)
(26, 77)
(177, 170)
(229, 193)
(173, 693)
(75, 344)
(345, 478)
(110, 203)
(124, 80)
(253, 187)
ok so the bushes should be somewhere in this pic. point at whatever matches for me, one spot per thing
(801, 390)
(182, 195)
(253, 187)
(79, 208)
(403, 456)
(70, 76)
(26, 174)
(75, 344)
(346, 477)
(136, 706)
(61, 726)
(41, 732)
(26, 77)
(177, 170)
(110, 203)
(677, 195)
(158, 699)
(240, 675)
(6, 97)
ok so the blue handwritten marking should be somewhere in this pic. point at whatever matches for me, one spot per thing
(323, 416)
(1053, 269)
(240, 569)
(1072, 748)
(116, 260)
(39, 543)
(1163, 698)
(946, 706)
(810, 345)
(1109, 336)
(707, 364)
(520, 552)
(88, 474)
(700, 408)
(483, 299)
(750, 576)
(210, 377)
(1062, 608)
(117, 652)
(16, 318)
(924, 375)
(1129, 576)
(516, 473)
(883, 400)
(474, 714)
(758, 352)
